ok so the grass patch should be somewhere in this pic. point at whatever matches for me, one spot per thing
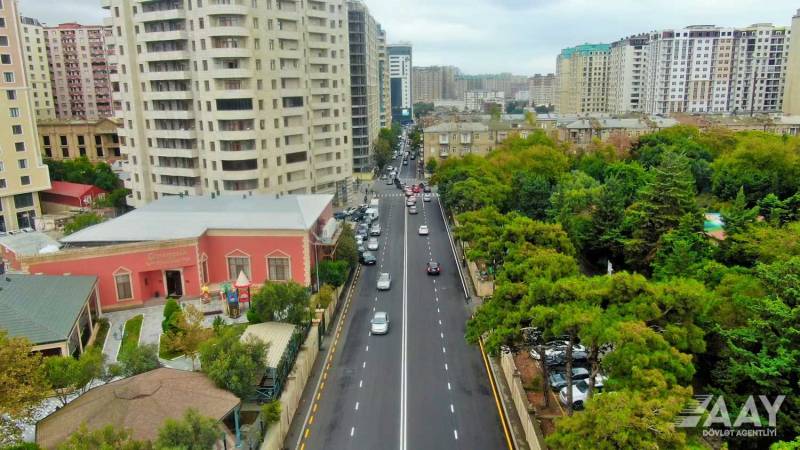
(102, 332)
(130, 338)
(164, 350)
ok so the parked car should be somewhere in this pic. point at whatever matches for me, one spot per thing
(412, 210)
(558, 380)
(426, 189)
(433, 268)
(367, 258)
(580, 392)
(426, 197)
(339, 215)
(556, 346)
(372, 244)
(559, 357)
(379, 323)
(423, 230)
(375, 230)
(362, 230)
(384, 281)
(361, 248)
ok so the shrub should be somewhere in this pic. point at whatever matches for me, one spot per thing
(271, 412)
(171, 308)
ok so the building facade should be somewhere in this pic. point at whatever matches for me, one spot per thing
(384, 80)
(791, 93)
(582, 74)
(401, 82)
(365, 80)
(475, 100)
(96, 139)
(434, 83)
(22, 172)
(542, 89)
(79, 71)
(34, 50)
(627, 64)
(218, 96)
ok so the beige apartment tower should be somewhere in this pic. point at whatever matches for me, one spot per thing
(582, 79)
(34, 50)
(22, 173)
(365, 82)
(232, 96)
(791, 95)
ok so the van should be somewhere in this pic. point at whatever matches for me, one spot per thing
(371, 213)
(374, 203)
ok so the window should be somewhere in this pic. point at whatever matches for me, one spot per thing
(279, 269)
(238, 264)
(16, 129)
(123, 282)
(11, 95)
(25, 180)
(8, 77)
(4, 41)
(2, 183)
(13, 112)
(22, 163)
(23, 200)
(5, 58)
(204, 267)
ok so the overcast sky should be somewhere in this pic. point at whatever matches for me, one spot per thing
(518, 36)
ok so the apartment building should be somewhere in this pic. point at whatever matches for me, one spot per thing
(233, 96)
(791, 93)
(94, 139)
(434, 83)
(582, 79)
(385, 87)
(79, 71)
(22, 173)
(401, 82)
(460, 138)
(475, 100)
(542, 89)
(627, 64)
(365, 79)
(34, 50)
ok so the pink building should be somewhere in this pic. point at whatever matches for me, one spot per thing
(175, 245)
(79, 71)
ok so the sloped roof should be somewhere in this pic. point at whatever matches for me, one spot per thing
(277, 334)
(140, 403)
(42, 308)
(450, 127)
(68, 189)
(27, 244)
(176, 217)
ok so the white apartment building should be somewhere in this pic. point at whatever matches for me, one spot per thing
(232, 96)
(365, 82)
(385, 87)
(791, 93)
(34, 50)
(474, 100)
(401, 84)
(542, 89)
(627, 64)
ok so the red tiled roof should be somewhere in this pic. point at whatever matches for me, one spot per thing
(68, 189)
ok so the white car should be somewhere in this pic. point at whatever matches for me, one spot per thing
(580, 391)
(359, 239)
(372, 244)
(379, 323)
(426, 197)
(375, 230)
(411, 201)
(423, 230)
(384, 281)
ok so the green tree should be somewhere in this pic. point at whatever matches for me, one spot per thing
(106, 438)
(431, 164)
(682, 250)
(382, 153)
(22, 384)
(572, 205)
(422, 109)
(325, 296)
(171, 310)
(67, 375)
(234, 364)
(81, 221)
(533, 194)
(334, 272)
(280, 302)
(661, 205)
(191, 332)
(347, 249)
(271, 412)
(192, 432)
(140, 359)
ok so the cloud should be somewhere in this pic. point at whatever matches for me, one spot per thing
(518, 36)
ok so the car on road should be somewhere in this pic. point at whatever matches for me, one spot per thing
(379, 323)
(411, 201)
(362, 230)
(412, 209)
(375, 230)
(580, 392)
(384, 281)
(433, 268)
(367, 259)
(372, 244)
(405, 162)
(426, 189)
(383, 176)
(408, 192)
(415, 189)
(390, 181)
(558, 379)
(423, 230)
(361, 248)
(340, 215)
(426, 197)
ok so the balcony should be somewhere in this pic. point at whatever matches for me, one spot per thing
(189, 172)
(169, 35)
(174, 189)
(171, 55)
(169, 114)
(239, 155)
(174, 134)
(229, 52)
(240, 175)
(233, 7)
(223, 31)
(157, 16)
(167, 95)
(174, 152)
(167, 75)
(223, 72)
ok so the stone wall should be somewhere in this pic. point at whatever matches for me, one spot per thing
(533, 434)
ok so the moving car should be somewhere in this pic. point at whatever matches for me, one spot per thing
(405, 162)
(372, 244)
(408, 192)
(426, 189)
(379, 323)
(426, 197)
(580, 392)
(384, 281)
(412, 209)
(411, 201)
(367, 258)
(558, 380)
(375, 230)
(423, 230)
(415, 189)
(433, 268)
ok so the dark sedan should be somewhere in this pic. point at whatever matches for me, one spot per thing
(367, 258)
(433, 268)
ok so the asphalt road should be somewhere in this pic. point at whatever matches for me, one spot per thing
(421, 386)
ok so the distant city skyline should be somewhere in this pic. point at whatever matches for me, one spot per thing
(522, 37)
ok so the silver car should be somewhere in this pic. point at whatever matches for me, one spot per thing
(372, 244)
(375, 230)
(379, 323)
(384, 281)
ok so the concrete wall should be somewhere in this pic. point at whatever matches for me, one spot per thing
(533, 435)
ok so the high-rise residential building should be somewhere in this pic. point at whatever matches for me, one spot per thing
(542, 89)
(79, 71)
(365, 79)
(34, 50)
(434, 83)
(791, 93)
(475, 100)
(401, 83)
(582, 79)
(225, 97)
(385, 87)
(23, 175)
(627, 65)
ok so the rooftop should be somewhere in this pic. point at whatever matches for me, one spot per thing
(177, 217)
(68, 189)
(277, 334)
(140, 403)
(42, 308)
(28, 244)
